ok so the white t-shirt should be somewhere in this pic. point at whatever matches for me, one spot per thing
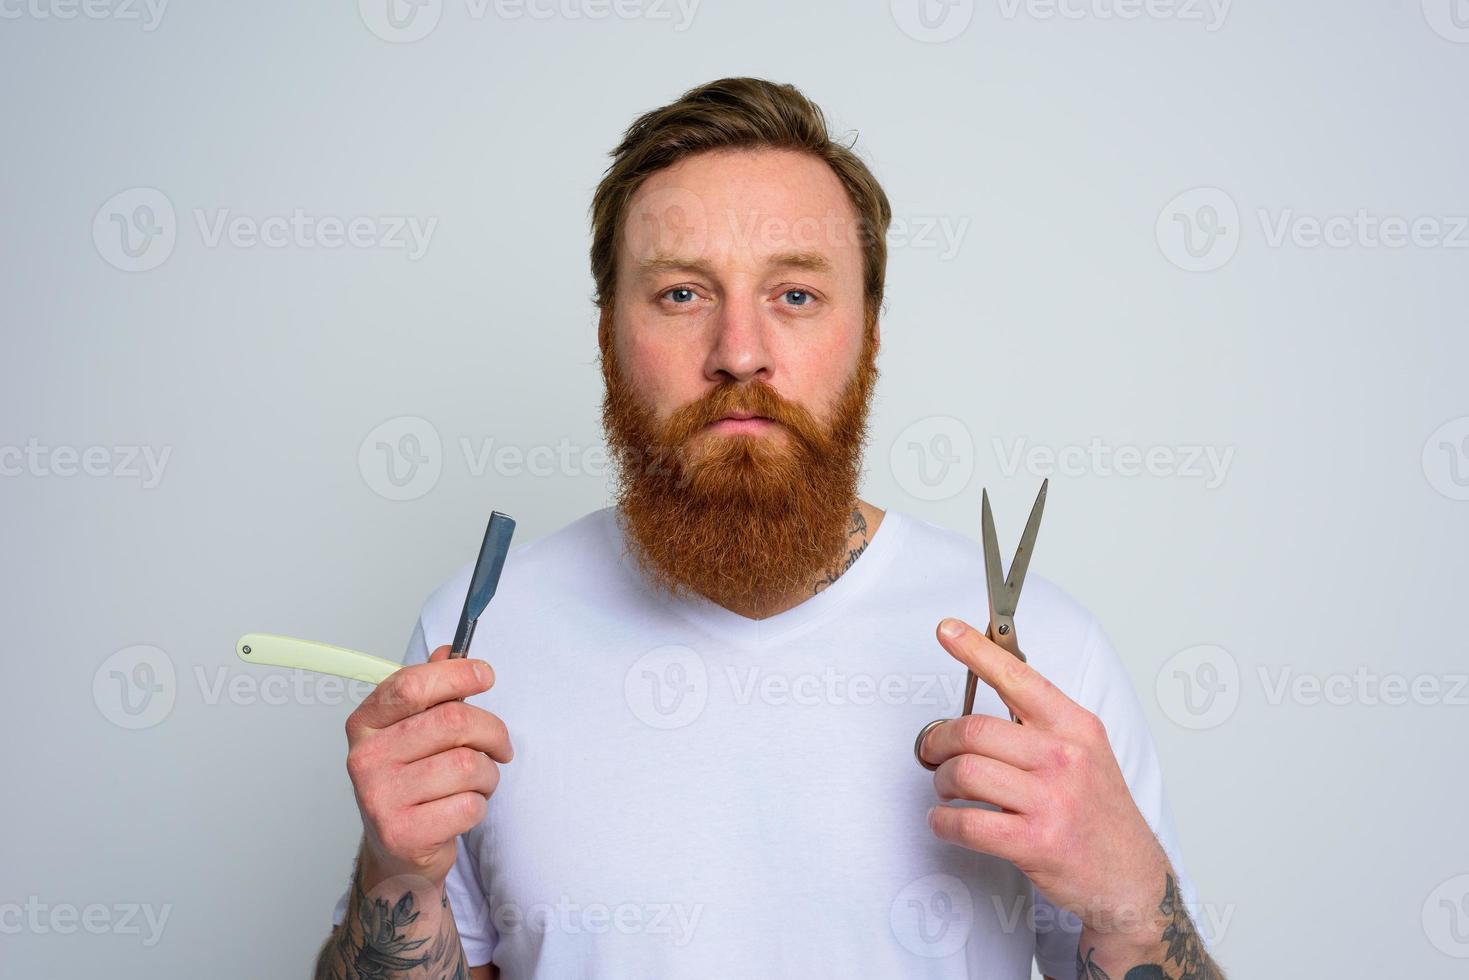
(700, 795)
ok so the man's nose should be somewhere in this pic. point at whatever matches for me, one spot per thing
(740, 350)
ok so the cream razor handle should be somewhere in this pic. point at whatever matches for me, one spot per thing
(323, 658)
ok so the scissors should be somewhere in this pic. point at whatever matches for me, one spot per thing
(288, 651)
(1004, 597)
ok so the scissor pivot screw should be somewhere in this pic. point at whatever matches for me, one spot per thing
(1004, 629)
(245, 649)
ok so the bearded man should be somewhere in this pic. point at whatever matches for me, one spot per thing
(710, 689)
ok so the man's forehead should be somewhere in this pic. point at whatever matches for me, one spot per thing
(758, 207)
(762, 181)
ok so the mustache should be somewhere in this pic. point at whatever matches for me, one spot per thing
(753, 398)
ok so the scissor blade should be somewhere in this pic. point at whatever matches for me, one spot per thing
(1027, 546)
(994, 573)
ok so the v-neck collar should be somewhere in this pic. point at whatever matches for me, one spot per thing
(725, 624)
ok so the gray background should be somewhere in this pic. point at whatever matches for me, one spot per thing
(1068, 309)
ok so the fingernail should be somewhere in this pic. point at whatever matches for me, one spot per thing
(951, 628)
(482, 671)
(931, 811)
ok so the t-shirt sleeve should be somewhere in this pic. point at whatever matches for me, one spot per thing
(1105, 689)
(466, 894)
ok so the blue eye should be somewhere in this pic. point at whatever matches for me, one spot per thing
(798, 292)
(681, 289)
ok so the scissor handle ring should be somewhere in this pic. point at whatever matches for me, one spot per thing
(918, 743)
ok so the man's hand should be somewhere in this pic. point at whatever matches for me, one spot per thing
(423, 767)
(1067, 817)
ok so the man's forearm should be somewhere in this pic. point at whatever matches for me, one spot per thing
(1164, 946)
(394, 932)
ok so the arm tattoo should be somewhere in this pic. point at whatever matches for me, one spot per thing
(380, 944)
(859, 526)
(1184, 948)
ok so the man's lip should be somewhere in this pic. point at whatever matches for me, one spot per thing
(743, 416)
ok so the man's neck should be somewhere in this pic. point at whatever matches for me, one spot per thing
(863, 525)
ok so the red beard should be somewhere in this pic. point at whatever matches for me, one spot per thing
(742, 519)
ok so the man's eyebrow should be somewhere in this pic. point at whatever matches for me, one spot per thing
(672, 263)
(809, 261)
